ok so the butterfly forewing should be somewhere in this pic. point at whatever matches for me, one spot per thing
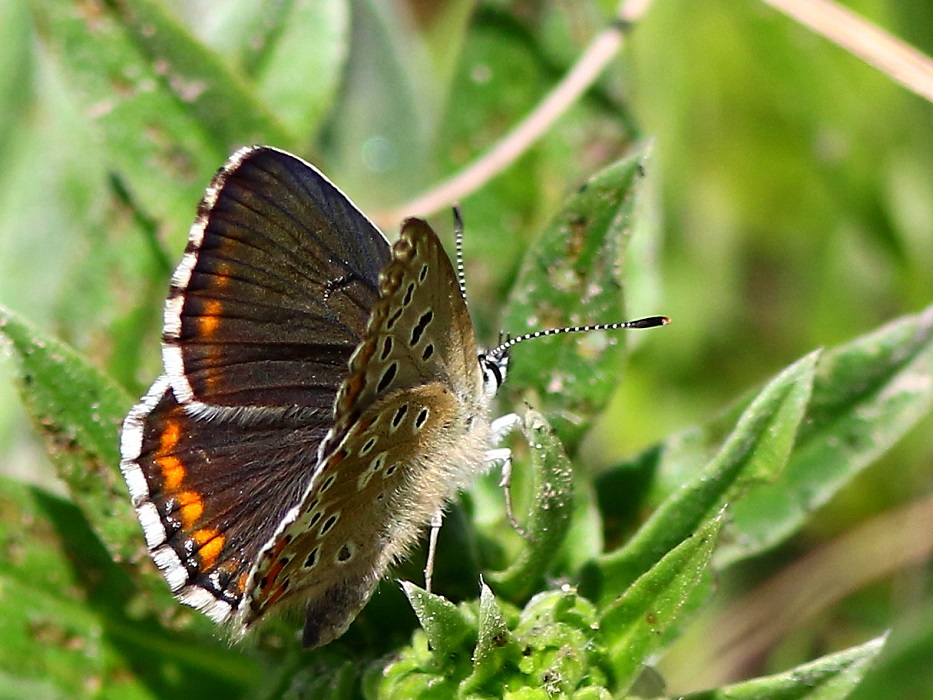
(275, 288)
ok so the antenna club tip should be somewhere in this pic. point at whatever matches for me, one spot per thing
(650, 322)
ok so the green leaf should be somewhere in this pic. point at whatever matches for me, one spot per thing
(218, 99)
(444, 624)
(77, 411)
(553, 647)
(903, 670)
(831, 677)
(16, 63)
(438, 659)
(549, 513)
(561, 652)
(572, 276)
(149, 102)
(293, 52)
(756, 451)
(866, 395)
(496, 650)
(634, 624)
(583, 541)
(71, 620)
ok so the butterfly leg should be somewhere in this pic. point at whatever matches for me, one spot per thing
(436, 520)
(502, 426)
(502, 456)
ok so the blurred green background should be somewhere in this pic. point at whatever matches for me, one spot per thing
(791, 197)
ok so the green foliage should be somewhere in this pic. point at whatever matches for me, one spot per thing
(142, 102)
(832, 676)
(570, 277)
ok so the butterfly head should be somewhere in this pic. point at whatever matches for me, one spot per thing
(494, 365)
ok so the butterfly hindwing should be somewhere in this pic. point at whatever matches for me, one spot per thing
(371, 498)
(187, 480)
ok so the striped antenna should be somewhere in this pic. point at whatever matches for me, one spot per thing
(648, 322)
(458, 249)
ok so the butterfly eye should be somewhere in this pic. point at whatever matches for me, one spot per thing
(494, 368)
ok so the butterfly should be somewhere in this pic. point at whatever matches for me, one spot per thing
(323, 397)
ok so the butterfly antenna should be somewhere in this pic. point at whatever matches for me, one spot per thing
(458, 249)
(649, 322)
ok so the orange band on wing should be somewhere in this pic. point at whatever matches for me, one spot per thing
(209, 320)
(210, 543)
(173, 472)
(269, 578)
(191, 508)
(169, 437)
